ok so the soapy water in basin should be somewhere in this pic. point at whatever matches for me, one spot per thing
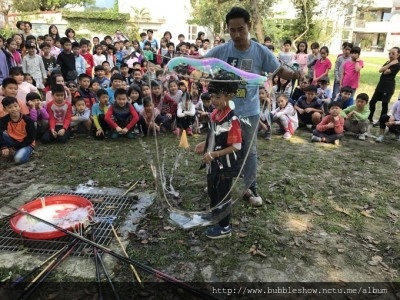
(63, 215)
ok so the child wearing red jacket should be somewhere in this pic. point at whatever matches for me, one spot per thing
(331, 128)
(60, 113)
(121, 116)
(167, 106)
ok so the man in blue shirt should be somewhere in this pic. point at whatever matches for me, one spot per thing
(250, 56)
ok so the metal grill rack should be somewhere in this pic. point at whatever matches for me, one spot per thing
(107, 211)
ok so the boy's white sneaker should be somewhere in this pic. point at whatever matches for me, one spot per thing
(379, 139)
(315, 139)
(362, 136)
(287, 135)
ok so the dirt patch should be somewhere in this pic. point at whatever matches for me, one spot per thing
(333, 212)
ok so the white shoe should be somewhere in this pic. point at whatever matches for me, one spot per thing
(362, 137)
(379, 139)
(287, 135)
(253, 197)
(315, 139)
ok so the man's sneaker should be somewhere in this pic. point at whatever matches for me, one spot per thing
(267, 135)
(177, 131)
(376, 124)
(309, 126)
(287, 135)
(253, 197)
(315, 139)
(218, 232)
(130, 135)
(362, 137)
(189, 131)
(379, 139)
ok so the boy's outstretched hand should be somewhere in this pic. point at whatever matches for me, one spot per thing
(199, 149)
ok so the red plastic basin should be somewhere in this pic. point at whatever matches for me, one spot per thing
(67, 202)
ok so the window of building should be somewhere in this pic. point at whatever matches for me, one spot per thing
(192, 32)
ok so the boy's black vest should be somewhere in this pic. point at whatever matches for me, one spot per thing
(228, 164)
(122, 115)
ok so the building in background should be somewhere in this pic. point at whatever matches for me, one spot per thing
(376, 28)
(163, 16)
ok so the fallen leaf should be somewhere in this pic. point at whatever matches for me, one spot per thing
(261, 253)
(236, 222)
(144, 241)
(52, 296)
(375, 260)
(242, 234)
(365, 213)
(384, 265)
(318, 213)
(169, 228)
(97, 200)
(341, 250)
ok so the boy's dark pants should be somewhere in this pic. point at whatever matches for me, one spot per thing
(218, 187)
(48, 137)
(329, 135)
(103, 125)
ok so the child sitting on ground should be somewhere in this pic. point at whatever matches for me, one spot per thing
(344, 97)
(265, 113)
(392, 122)
(149, 117)
(60, 113)
(220, 156)
(9, 88)
(80, 114)
(135, 97)
(185, 114)
(17, 132)
(24, 88)
(84, 92)
(37, 113)
(309, 108)
(356, 117)
(121, 116)
(100, 77)
(324, 92)
(204, 111)
(99, 111)
(330, 129)
(166, 105)
(285, 116)
(299, 90)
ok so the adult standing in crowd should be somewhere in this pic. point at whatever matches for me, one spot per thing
(386, 85)
(253, 57)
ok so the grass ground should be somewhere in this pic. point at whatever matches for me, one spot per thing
(333, 212)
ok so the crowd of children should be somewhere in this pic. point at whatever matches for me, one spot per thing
(119, 89)
(327, 112)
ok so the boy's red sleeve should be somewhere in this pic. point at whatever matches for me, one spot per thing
(52, 120)
(135, 117)
(68, 116)
(322, 125)
(108, 118)
(339, 125)
(235, 134)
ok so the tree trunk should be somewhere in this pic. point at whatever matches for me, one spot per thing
(5, 15)
(258, 29)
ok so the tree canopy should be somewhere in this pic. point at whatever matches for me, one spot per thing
(45, 5)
